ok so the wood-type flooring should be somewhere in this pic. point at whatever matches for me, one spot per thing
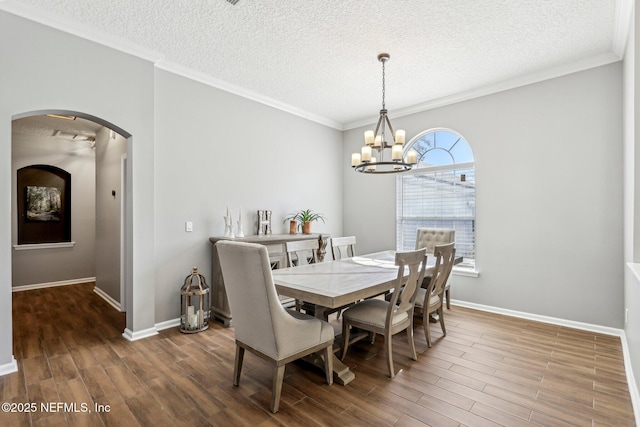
(75, 368)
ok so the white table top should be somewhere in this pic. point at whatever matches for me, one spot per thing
(334, 284)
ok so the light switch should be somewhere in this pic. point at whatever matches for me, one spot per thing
(188, 226)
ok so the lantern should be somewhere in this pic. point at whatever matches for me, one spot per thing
(194, 298)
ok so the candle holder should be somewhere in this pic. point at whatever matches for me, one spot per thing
(228, 226)
(240, 232)
(264, 222)
(194, 303)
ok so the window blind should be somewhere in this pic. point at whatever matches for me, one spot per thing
(441, 197)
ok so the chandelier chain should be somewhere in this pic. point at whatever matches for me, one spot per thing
(383, 86)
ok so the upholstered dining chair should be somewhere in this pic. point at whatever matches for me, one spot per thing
(431, 299)
(343, 247)
(430, 237)
(388, 318)
(261, 324)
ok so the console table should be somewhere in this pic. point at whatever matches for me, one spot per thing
(275, 246)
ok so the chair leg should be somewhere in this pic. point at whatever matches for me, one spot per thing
(388, 341)
(328, 364)
(412, 345)
(425, 324)
(448, 297)
(345, 338)
(237, 369)
(278, 377)
(441, 315)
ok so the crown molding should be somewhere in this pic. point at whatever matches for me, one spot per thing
(624, 17)
(89, 33)
(624, 13)
(80, 30)
(206, 79)
(562, 70)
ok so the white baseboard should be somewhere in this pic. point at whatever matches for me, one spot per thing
(129, 335)
(172, 323)
(544, 319)
(9, 368)
(631, 381)
(112, 302)
(52, 284)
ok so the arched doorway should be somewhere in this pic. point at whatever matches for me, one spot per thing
(73, 139)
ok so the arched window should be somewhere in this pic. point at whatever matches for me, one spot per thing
(440, 192)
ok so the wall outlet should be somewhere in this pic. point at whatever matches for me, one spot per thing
(188, 226)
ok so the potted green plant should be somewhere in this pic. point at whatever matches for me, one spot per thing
(303, 218)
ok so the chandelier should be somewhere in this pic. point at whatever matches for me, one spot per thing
(376, 143)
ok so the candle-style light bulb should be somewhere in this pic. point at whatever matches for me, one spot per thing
(368, 137)
(377, 142)
(366, 153)
(412, 157)
(396, 152)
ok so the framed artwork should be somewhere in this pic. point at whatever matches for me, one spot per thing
(44, 205)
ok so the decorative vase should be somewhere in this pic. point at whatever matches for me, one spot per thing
(293, 225)
(306, 227)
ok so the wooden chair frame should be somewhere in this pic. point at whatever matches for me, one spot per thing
(400, 305)
(343, 247)
(445, 255)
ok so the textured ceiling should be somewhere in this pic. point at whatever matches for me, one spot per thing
(78, 129)
(319, 56)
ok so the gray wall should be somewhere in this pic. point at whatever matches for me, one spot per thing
(60, 264)
(631, 116)
(215, 149)
(191, 151)
(549, 196)
(42, 69)
(109, 152)
(549, 173)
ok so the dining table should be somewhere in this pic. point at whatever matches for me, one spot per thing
(334, 284)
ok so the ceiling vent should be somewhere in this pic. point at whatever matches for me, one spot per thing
(233, 1)
(74, 136)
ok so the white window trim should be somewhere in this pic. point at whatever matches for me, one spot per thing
(419, 171)
(466, 272)
(33, 246)
(457, 270)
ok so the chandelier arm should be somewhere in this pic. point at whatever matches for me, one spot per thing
(393, 134)
(383, 115)
(365, 167)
